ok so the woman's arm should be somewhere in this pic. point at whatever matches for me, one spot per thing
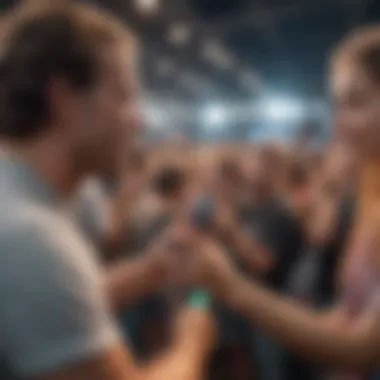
(320, 336)
(328, 337)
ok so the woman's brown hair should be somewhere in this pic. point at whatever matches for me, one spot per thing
(363, 47)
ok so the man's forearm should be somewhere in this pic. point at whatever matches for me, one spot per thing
(187, 356)
(129, 280)
(184, 360)
(312, 334)
(180, 362)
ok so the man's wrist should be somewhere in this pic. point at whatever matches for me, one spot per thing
(196, 330)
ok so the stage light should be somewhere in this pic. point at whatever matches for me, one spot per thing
(214, 117)
(147, 6)
(164, 66)
(179, 34)
(155, 117)
(217, 54)
(283, 109)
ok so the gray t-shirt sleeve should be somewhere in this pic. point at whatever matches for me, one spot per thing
(54, 311)
(91, 211)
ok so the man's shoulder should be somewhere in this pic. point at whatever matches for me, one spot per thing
(25, 218)
(51, 289)
(33, 234)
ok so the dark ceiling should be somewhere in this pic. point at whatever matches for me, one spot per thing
(276, 45)
(280, 45)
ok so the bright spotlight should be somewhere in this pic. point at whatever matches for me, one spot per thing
(283, 109)
(179, 34)
(147, 6)
(214, 116)
(155, 118)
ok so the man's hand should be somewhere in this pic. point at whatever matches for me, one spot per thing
(206, 265)
(183, 256)
(151, 271)
(193, 257)
(163, 257)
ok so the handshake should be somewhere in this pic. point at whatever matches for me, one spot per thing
(184, 256)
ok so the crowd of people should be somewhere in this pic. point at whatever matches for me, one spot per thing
(124, 261)
(282, 216)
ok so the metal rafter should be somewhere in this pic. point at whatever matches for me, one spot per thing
(252, 17)
(355, 11)
(264, 20)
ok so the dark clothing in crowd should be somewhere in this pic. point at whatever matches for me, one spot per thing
(313, 281)
(332, 252)
(314, 275)
(276, 228)
(151, 312)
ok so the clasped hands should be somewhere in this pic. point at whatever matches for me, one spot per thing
(184, 256)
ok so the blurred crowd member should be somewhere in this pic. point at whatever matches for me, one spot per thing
(298, 189)
(313, 279)
(227, 201)
(68, 107)
(226, 193)
(328, 229)
(270, 221)
(228, 181)
(329, 224)
(277, 232)
(170, 185)
(165, 195)
(273, 158)
(149, 321)
(104, 206)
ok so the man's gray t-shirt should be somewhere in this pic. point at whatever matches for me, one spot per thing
(54, 311)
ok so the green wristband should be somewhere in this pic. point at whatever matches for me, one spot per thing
(199, 299)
